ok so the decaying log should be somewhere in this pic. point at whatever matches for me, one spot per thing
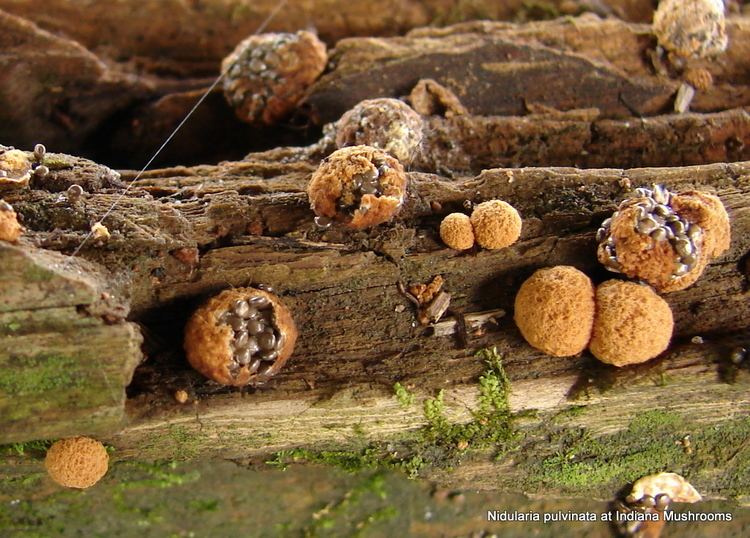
(183, 233)
(119, 112)
(585, 92)
(468, 143)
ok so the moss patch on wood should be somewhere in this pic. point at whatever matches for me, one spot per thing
(572, 461)
(440, 442)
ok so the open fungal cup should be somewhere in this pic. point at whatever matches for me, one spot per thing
(360, 186)
(267, 75)
(664, 239)
(632, 323)
(78, 462)
(384, 123)
(554, 310)
(241, 336)
(691, 28)
(669, 486)
(15, 169)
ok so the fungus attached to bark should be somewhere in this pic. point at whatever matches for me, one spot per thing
(554, 310)
(384, 123)
(456, 231)
(632, 323)
(15, 168)
(664, 239)
(10, 229)
(671, 485)
(691, 28)
(100, 233)
(267, 75)
(496, 224)
(78, 462)
(360, 186)
(241, 336)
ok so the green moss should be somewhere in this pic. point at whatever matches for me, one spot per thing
(34, 273)
(335, 518)
(572, 461)
(204, 505)
(403, 395)
(463, 10)
(57, 162)
(187, 444)
(492, 420)
(370, 457)
(12, 326)
(440, 442)
(160, 475)
(39, 374)
(572, 411)
(28, 448)
(537, 10)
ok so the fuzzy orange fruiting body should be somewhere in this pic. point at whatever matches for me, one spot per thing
(359, 186)
(554, 310)
(457, 232)
(632, 323)
(496, 224)
(78, 462)
(241, 336)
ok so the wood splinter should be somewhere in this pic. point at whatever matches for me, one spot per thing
(473, 322)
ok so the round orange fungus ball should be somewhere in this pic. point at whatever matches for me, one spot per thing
(456, 231)
(496, 224)
(554, 310)
(632, 323)
(78, 462)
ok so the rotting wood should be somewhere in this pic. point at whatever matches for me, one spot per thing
(563, 64)
(119, 113)
(228, 425)
(342, 286)
(190, 39)
(66, 353)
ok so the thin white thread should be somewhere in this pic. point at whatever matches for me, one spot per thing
(213, 85)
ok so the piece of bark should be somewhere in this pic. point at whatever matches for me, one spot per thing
(582, 139)
(501, 68)
(181, 234)
(66, 353)
(191, 38)
(212, 134)
(121, 116)
(253, 425)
